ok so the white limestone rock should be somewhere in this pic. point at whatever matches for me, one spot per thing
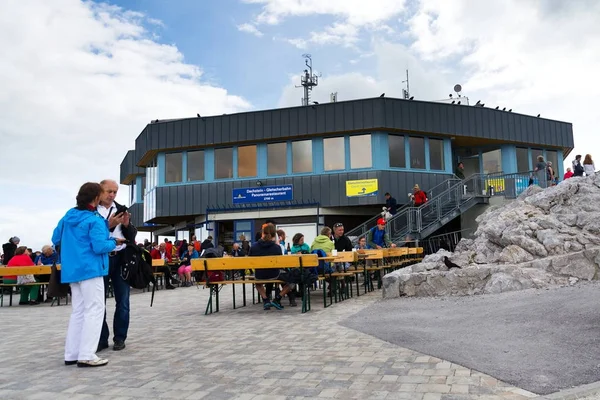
(543, 238)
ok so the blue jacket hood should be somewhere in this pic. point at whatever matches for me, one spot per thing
(75, 216)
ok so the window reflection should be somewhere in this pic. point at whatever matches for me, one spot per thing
(522, 159)
(195, 165)
(334, 153)
(277, 158)
(174, 167)
(492, 161)
(417, 152)
(246, 161)
(436, 154)
(397, 154)
(302, 156)
(360, 151)
(224, 163)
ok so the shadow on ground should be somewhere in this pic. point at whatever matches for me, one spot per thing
(538, 340)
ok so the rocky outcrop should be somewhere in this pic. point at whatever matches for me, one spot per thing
(545, 237)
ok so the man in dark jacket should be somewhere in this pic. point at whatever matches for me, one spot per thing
(9, 249)
(391, 204)
(237, 251)
(120, 227)
(207, 244)
(341, 242)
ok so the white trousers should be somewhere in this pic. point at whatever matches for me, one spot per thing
(85, 325)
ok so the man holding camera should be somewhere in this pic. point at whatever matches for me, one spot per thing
(120, 228)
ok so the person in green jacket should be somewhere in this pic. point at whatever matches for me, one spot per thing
(298, 245)
(323, 241)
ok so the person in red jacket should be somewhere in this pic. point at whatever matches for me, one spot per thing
(158, 253)
(29, 294)
(568, 174)
(419, 197)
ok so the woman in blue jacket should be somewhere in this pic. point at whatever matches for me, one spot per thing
(85, 242)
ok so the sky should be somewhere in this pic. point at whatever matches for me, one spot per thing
(79, 80)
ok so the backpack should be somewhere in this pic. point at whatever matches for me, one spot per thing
(324, 267)
(136, 269)
(214, 276)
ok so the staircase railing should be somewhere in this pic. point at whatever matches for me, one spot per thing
(362, 229)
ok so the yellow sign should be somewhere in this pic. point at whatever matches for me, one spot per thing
(364, 187)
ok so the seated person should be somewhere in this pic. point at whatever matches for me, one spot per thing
(298, 245)
(29, 294)
(323, 241)
(237, 251)
(268, 246)
(160, 253)
(47, 257)
(362, 244)
(377, 237)
(185, 269)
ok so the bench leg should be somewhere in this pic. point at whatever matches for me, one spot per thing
(217, 297)
(324, 295)
(233, 290)
(209, 303)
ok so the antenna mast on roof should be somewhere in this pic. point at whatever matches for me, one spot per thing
(406, 92)
(308, 80)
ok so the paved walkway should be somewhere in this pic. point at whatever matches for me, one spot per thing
(176, 352)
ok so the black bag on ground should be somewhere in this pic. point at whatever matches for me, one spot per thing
(293, 275)
(55, 287)
(136, 269)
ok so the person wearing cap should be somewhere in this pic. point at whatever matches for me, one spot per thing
(9, 249)
(377, 237)
(419, 197)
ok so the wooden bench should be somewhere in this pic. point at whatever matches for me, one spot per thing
(19, 271)
(243, 263)
(158, 275)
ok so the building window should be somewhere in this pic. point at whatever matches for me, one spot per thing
(132, 193)
(360, 152)
(174, 169)
(224, 163)
(552, 156)
(195, 165)
(522, 159)
(334, 153)
(246, 161)
(535, 153)
(277, 158)
(417, 152)
(397, 154)
(492, 161)
(436, 154)
(302, 156)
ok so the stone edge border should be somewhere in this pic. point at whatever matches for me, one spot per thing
(574, 393)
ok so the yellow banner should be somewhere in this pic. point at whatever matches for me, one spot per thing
(364, 187)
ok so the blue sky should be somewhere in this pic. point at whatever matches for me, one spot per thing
(81, 79)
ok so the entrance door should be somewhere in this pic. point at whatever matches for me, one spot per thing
(245, 228)
(471, 165)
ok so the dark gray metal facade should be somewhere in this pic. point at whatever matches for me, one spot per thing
(329, 190)
(418, 117)
(137, 214)
(129, 169)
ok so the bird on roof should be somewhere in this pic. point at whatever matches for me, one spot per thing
(449, 263)
(198, 115)
(382, 95)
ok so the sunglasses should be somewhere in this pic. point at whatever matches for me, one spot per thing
(338, 225)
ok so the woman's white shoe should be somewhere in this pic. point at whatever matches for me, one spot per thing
(98, 362)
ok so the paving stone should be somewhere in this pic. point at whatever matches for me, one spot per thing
(174, 351)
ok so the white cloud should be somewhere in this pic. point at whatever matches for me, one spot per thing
(352, 16)
(79, 82)
(249, 28)
(533, 57)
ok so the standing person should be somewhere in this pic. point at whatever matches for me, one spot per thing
(460, 171)
(568, 174)
(418, 197)
(588, 165)
(120, 227)
(85, 242)
(550, 174)
(578, 169)
(245, 244)
(9, 249)
(377, 237)
(540, 172)
(208, 244)
(196, 243)
(391, 204)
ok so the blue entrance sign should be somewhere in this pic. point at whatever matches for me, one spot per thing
(263, 194)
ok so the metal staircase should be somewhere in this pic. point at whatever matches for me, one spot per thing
(446, 201)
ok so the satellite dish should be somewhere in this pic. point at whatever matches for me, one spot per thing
(457, 88)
